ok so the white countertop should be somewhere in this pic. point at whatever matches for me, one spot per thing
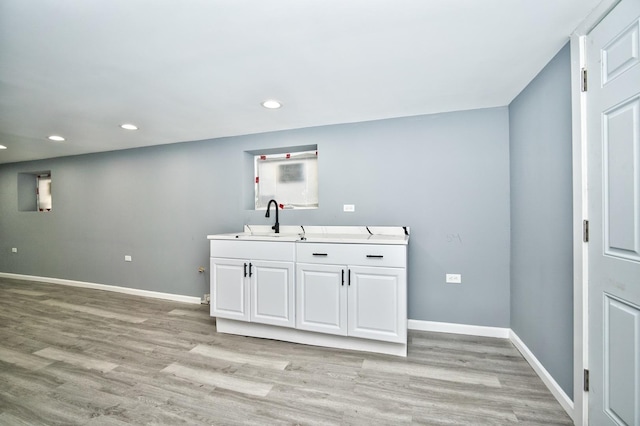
(321, 234)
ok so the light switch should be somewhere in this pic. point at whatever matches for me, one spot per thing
(14, 250)
(349, 208)
(127, 258)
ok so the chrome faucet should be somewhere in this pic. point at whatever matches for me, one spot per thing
(275, 227)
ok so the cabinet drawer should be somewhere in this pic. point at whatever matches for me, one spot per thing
(262, 250)
(352, 254)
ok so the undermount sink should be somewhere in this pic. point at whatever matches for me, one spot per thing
(268, 236)
(263, 233)
(266, 233)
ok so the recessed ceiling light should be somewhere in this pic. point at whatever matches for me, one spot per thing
(271, 104)
(129, 126)
(3, 147)
(56, 138)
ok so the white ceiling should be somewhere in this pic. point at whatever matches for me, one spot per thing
(198, 69)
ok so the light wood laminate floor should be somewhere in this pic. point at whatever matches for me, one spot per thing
(75, 356)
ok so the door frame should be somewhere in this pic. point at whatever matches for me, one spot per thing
(578, 42)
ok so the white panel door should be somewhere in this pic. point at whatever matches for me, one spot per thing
(613, 102)
(229, 289)
(321, 298)
(272, 293)
(377, 303)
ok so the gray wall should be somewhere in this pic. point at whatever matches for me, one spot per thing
(445, 175)
(541, 219)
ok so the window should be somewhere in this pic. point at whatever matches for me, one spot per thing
(44, 193)
(289, 178)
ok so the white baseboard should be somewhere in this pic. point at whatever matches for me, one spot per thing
(115, 288)
(447, 327)
(551, 384)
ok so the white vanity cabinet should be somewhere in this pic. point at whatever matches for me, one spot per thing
(253, 281)
(365, 297)
(341, 287)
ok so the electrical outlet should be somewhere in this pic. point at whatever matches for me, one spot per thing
(454, 278)
(349, 208)
(206, 299)
(127, 258)
(14, 250)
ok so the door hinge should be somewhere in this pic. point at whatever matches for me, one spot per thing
(585, 380)
(583, 78)
(585, 231)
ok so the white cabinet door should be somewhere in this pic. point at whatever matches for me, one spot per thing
(272, 293)
(229, 289)
(377, 303)
(321, 298)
